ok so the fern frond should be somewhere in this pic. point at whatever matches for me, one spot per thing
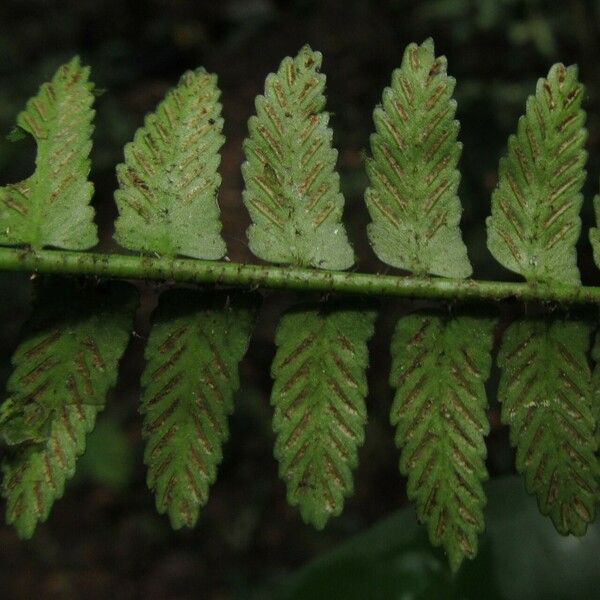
(595, 232)
(193, 352)
(52, 207)
(318, 396)
(413, 200)
(596, 388)
(535, 221)
(545, 390)
(62, 372)
(292, 188)
(169, 181)
(439, 369)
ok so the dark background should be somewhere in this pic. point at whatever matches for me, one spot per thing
(105, 538)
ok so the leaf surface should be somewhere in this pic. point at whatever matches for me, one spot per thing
(195, 345)
(439, 369)
(62, 372)
(596, 387)
(412, 198)
(52, 207)
(319, 399)
(169, 181)
(595, 232)
(292, 188)
(535, 221)
(545, 390)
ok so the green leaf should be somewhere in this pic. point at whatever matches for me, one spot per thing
(595, 232)
(596, 387)
(319, 400)
(193, 352)
(535, 208)
(521, 557)
(292, 188)
(62, 372)
(545, 390)
(439, 370)
(168, 184)
(52, 207)
(412, 199)
(109, 456)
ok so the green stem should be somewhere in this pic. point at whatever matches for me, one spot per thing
(185, 270)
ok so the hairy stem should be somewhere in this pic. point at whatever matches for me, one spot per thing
(186, 270)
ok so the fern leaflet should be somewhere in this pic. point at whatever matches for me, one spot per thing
(62, 372)
(439, 370)
(169, 181)
(193, 352)
(545, 390)
(52, 207)
(595, 232)
(292, 189)
(413, 173)
(596, 387)
(320, 413)
(535, 208)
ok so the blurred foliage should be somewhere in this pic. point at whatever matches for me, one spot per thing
(108, 459)
(247, 535)
(521, 557)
